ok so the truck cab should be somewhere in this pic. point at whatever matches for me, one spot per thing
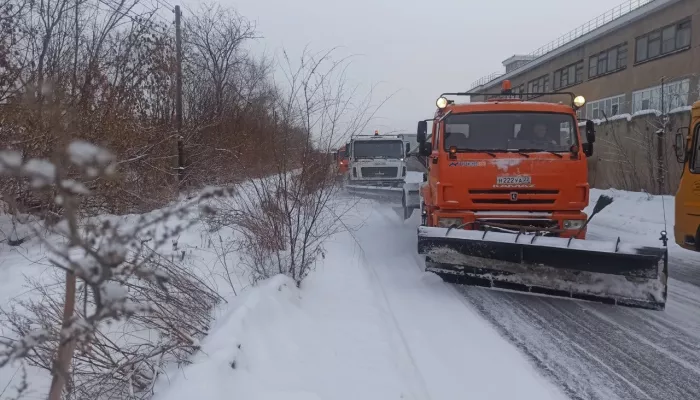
(506, 164)
(377, 160)
(687, 146)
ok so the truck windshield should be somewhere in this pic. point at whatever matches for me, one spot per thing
(378, 149)
(510, 131)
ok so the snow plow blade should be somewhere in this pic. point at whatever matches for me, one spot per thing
(383, 194)
(600, 271)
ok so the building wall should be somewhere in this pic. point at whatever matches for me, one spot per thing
(634, 76)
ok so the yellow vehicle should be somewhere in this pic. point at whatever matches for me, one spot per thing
(687, 226)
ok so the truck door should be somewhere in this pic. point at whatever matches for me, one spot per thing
(433, 157)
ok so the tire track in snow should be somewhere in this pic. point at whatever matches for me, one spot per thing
(395, 329)
(460, 317)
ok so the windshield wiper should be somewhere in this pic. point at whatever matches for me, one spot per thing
(542, 150)
(487, 151)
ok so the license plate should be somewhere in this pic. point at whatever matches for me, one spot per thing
(514, 180)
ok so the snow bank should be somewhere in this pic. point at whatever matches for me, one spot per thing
(368, 324)
(277, 342)
(634, 216)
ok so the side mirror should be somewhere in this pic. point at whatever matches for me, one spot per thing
(587, 149)
(590, 132)
(426, 148)
(680, 145)
(422, 132)
(408, 148)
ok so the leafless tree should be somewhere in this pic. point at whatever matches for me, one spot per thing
(282, 220)
(213, 38)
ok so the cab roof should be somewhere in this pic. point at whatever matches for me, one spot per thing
(506, 105)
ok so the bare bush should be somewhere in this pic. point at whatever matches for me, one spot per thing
(113, 273)
(282, 220)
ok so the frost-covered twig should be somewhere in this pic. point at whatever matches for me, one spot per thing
(121, 277)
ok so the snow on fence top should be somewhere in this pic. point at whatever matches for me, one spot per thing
(603, 19)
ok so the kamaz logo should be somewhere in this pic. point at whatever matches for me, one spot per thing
(467, 164)
(513, 196)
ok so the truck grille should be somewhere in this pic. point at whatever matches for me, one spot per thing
(542, 226)
(379, 172)
(522, 196)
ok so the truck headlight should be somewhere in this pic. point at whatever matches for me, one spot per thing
(573, 223)
(448, 222)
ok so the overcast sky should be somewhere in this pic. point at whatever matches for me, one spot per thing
(421, 48)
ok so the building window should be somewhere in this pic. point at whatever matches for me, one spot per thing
(568, 76)
(607, 107)
(539, 85)
(607, 61)
(663, 41)
(675, 94)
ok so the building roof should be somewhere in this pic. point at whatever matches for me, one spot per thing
(518, 57)
(621, 15)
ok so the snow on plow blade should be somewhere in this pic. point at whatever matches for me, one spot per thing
(607, 272)
(386, 194)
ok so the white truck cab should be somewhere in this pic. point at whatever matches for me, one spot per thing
(377, 160)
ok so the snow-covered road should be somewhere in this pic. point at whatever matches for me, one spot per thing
(603, 352)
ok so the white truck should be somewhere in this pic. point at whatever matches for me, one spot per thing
(377, 166)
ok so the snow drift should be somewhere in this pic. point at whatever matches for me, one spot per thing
(369, 323)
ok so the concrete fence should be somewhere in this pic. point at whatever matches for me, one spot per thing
(636, 152)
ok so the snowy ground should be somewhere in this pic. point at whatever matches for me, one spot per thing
(370, 324)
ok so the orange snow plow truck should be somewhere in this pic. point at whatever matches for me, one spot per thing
(342, 160)
(502, 204)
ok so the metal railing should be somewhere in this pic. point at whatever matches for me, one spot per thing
(605, 18)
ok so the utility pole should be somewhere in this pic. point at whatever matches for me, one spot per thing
(178, 97)
(660, 137)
